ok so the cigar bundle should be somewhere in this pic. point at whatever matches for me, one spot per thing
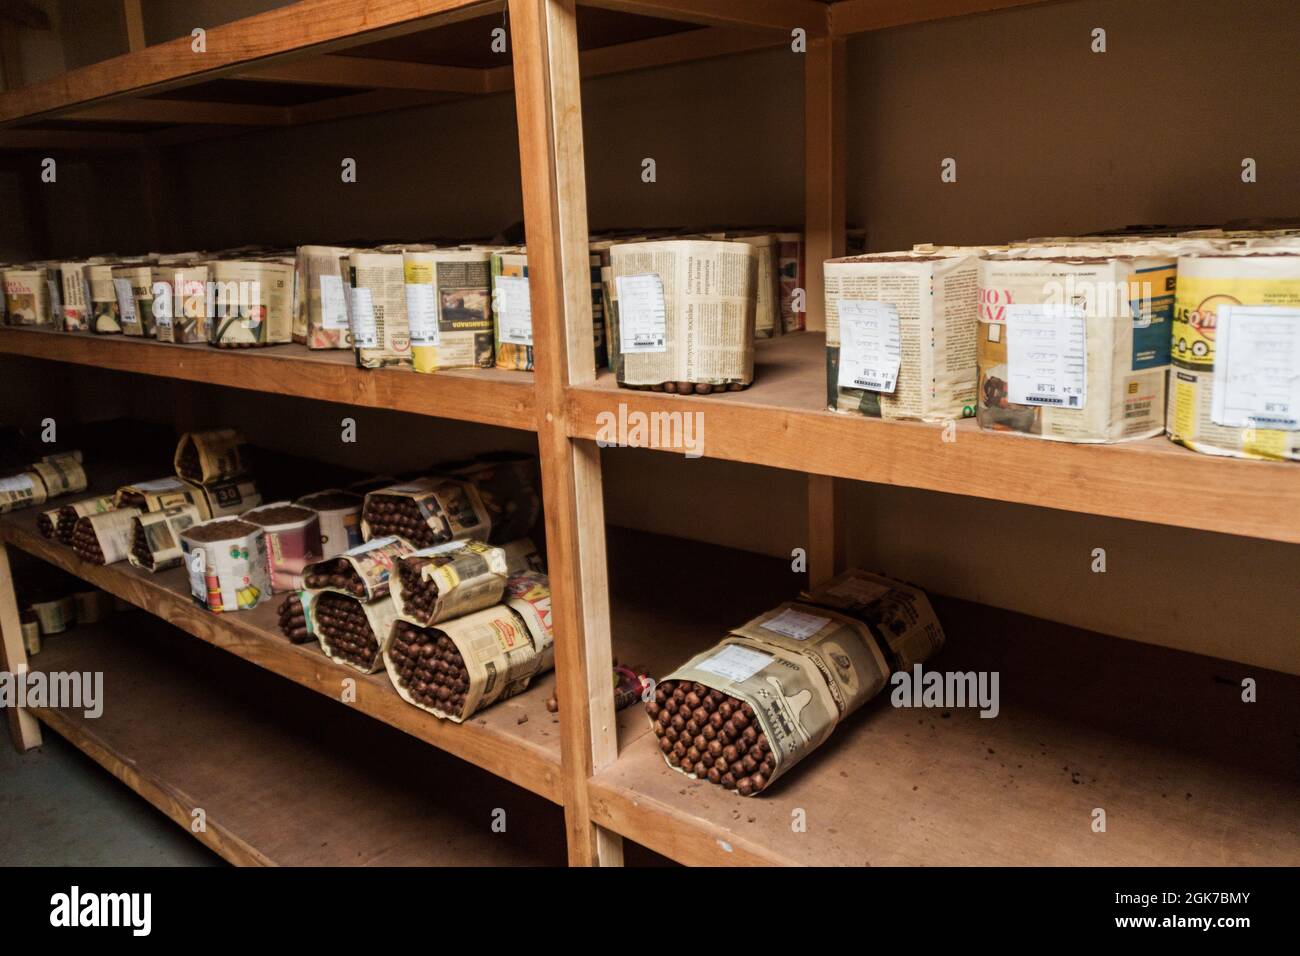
(293, 540)
(507, 483)
(449, 580)
(69, 514)
(253, 302)
(53, 475)
(363, 572)
(222, 499)
(104, 538)
(349, 630)
(206, 457)
(156, 537)
(340, 519)
(321, 304)
(157, 495)
(463, 665)
(180, 305)
(426, 512)
(295, 623)
(745, 711)
(227, 565)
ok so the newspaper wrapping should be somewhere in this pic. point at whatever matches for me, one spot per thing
(1075, 349)
(683, 311)
(106, 315)
(767, 304)
(226, 562)
(252, 302)
(48, 523)
(206, 457)
(449, 580)
(156, 495)
(790, 271)
(23, 490)
(221, 499)
(293, 541)
(509, 486)
(804, 666)
(180, 303)
(1260, 398)
(156, 537)
(340, 519)
(110, 531)
(28, 299)
(449, 308)
(380, 615)
(133, 285)
(502, 649)
(381, 334)
(929, 308)
(449, 509)
(375, 563)
(61, 475)
(321, 296)
(522, 555)
(77, 309)
(512, 323)
(68, 514)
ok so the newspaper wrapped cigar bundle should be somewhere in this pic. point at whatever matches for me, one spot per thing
(222, 499)
(181, 305)
(209, 456)
(157, 494)
(449, 580)
(293, 541)
(340, 519)
(294, 621)
(449, 308)
(350, 631)
(426, 511)
(364, 572)
(682, 315)
(104, 538)
(27, 298)
(321, 311)
(744, 712)
(68, 514)
(53, 475)
(463, 665)
(133, 285)
(226, 562)
(156, 537)
(254, 302)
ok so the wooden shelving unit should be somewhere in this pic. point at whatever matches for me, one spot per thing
(1181, 783)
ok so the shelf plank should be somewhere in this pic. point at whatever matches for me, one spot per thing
(517, 739)
(786, 15)
(1187, 773)
(317, 26)
(860, 16)
(781, 421)
(281, 778)
(487, 396)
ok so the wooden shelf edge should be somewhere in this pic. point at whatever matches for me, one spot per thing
(486, 396)
(522, 763)
(809, 15)
(176, 805)
(1131, 480)
(849, 17)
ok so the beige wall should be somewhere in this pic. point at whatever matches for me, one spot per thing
(1049, 138)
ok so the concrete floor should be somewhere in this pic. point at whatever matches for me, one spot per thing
(60, 808)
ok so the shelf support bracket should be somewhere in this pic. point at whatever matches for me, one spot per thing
(549, 107)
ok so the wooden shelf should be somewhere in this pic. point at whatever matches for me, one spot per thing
(282, 778)
(488, 396)
(518, 739)
(1186, 772)
(781, 421)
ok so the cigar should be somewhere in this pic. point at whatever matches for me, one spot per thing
(338, 574)
(711, 735)
(391, 515)
(293, 619)
(341, 622)
(429, 667)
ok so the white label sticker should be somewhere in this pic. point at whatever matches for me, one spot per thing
(796, 624)
(125, 300)
(21, 483)
(642, 314)
(735, 663)
(1047, 352)
(1257, 367)
(365, 331)
(422, 313)
(870, 346)
(333, 304)
(514, 310)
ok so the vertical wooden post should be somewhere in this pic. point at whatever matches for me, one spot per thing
(24, 729)
(549, 107)
(824, 165)
(134, 25)
(826, 538)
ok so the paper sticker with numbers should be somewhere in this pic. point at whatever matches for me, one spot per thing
(514, 310)
(796, 624)
(870, 345)
(642, 314)
(735, 663)
(365, 331)
(125, 300)
(422, 313)
(1047, 349)
(1257, 367)
(333, 304)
